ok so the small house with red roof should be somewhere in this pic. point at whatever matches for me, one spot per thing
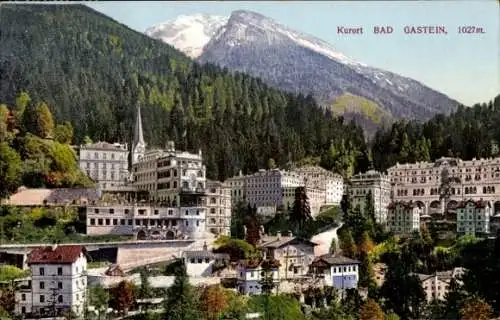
(58, 282)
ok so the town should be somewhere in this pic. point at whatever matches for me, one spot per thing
(167, 213)
(233, 161)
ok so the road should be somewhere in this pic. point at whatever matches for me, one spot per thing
(324, 240)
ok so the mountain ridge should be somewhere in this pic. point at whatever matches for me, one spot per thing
(252, 43)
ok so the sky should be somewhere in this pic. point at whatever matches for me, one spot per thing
(466, 67)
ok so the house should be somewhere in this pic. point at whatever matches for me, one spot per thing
(202, 263)
(337, 271)
(436, 285)
(294, 254)
(251, 273)
(58, 282)
(473, 217)
(403, 217)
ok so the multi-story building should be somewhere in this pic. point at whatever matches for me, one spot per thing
(145, 221)
(436, 285)
(318, 178)
(380, 187)
(105, 163)
(251, 273)
(421, 182)
(294, 254)
(237, 184)
(403, 217)
(58, 282)
(337, 271)
(265, 188)
(218, 202)
(473, 217)
(175, 181)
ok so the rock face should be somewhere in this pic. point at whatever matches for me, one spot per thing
(251, 43)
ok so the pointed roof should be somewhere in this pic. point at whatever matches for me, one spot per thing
(138, 135)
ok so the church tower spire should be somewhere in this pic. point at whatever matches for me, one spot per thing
(138, 144)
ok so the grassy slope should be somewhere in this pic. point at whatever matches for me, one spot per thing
(370, 110)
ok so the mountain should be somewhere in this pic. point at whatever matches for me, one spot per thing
(254, 44)
(92, 71)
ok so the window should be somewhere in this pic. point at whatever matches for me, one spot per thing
(42, 298)
(192, 260)
(112, 211)
(59, 285)
(92, 222)
(23, 297)
(41, 271)
(59, 271)
(60, 299)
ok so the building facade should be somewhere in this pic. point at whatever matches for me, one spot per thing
(316, 198)
(437, 285)
(105, 163)
(237, 184)
(321, 179)
(58, 282)
(251, 274)
(265, 188)
(380, 187)
(403, 218)
(218, 202)
(146, 222)
(202, 263)
(421, 182)
(337, 271)
(294, 254)
(473, 218)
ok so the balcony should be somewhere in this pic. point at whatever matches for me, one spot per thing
(193, 191)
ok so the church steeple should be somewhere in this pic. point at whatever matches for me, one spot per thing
(138, 144)
(138, 135)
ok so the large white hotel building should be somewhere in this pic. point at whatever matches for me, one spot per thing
(476, 179)
(270, 190)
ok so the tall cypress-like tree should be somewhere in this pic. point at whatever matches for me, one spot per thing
(301, 211)
(181, 302)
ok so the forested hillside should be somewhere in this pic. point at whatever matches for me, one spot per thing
(93, 71)
(467, 133)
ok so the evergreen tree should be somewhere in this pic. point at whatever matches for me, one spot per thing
(10, 170)
(145, 288)
(181, 302)
(301, 212)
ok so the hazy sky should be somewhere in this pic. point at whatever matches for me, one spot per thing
(464, 66)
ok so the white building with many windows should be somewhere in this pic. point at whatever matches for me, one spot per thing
(219, 206)
(146, 222)
(237, 184)
(380, 187)
(403, 218)
(266, 188)
(105, 163)
(473, 217)
(58, 282)
(471, 179)
(316, 177)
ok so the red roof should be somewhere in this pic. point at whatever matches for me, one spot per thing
(407, 205)
(479, 204)
(55, 255)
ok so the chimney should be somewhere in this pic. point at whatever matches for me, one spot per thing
(205, 247)
(278, 234)
(54, 246)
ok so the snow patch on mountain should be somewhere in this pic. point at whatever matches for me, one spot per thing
(188, 34)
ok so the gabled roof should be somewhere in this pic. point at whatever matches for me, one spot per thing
(278, 242)
(408, 205)
(479, 204)
(333, 260)
(56, 255)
